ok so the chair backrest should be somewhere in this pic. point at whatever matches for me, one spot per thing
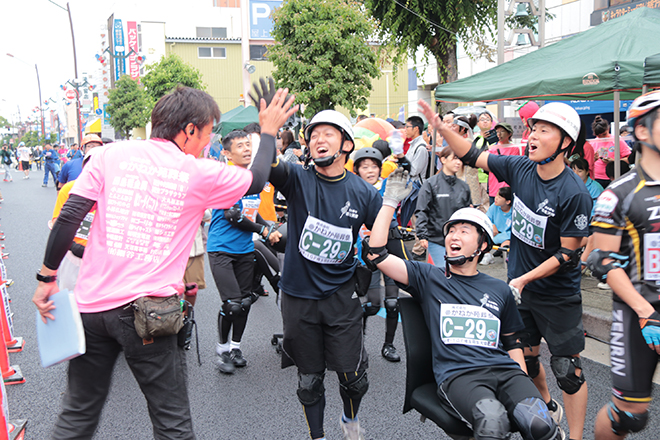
(419, 366)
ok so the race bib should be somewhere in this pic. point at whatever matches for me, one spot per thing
(250, 209)
(324, 243)
(652, 257)
(528, 226)
(466, 324)
(83, 230)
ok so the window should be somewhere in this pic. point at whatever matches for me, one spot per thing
(211, 32)
(211, 52)
(258, 52)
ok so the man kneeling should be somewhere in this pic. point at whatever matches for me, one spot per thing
(477, 355)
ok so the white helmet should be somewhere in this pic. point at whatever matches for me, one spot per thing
(474, 216)
(330, 117)
(562, 115)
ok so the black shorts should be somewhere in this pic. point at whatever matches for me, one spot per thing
(232, 274)
(460, 393)
(25, 164)
(633, 362)
(557, 319)
(324, 333)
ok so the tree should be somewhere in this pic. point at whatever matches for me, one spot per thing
(437, 26)
(33, 138)
(163, 76)
(321, 53)
(128, 106)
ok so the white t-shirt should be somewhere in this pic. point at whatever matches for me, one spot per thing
(24, 154)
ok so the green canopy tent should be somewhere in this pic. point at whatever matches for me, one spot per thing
(602, 63)
(236, 118)
(652, 71)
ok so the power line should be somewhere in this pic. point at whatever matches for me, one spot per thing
(424, 18)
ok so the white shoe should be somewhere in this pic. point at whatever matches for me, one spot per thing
(351, 430)
(488, 259)
(604, 286)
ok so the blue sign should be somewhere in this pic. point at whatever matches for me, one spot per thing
(120, 62)
(261, 23)
(106, 121)
(99, 111)
(587, 107)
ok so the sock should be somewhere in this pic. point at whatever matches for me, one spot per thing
(552, 406)
(235, 345)
(348, 420)
(223, 347)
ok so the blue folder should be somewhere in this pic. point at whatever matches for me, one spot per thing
(63, 338)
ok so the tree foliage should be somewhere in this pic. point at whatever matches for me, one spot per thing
(33, 138)
(128, 106)
(321, 53)
(163, 76)
(437, 26)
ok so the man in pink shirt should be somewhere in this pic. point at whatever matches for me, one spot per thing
(150, 197)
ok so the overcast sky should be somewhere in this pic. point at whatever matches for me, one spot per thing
(38, 31)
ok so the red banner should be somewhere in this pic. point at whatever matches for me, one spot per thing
(133, 65)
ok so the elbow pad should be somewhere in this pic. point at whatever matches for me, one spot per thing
(472, 155)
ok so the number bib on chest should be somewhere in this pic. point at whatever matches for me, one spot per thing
(83, 230)
(528, 226)
(250, 208)
(324, 243)
(466, 324)
(652, 257)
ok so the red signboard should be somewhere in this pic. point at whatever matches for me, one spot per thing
(70, 94)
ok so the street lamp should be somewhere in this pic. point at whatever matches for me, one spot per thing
(43, 128)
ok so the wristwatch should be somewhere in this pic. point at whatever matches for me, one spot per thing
(46, 278)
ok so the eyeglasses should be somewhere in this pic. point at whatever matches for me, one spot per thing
(485, 120)
(409, 126)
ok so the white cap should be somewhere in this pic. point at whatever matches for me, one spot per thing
(330, 117)
(562, 115)
(474, 216)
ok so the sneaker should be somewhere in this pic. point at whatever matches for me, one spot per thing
(497, 253)
(225, 364)
(351, 430)
(389, 353)
(604, 286)
(562, 434)
(9, 282)
(488, 258)
(236, 356)
(44, 185)
(558, 413)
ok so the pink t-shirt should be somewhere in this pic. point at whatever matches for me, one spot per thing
(494, 185)
(150, 201)
(588, 151)
(604, 147)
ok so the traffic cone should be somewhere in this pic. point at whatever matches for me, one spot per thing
(14, 344)
(12, 429)
(11, 374)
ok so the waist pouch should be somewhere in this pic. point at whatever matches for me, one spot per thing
(157, 316)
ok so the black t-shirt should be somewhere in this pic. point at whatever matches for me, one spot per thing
(630, 208)
(542, 212)
(327, 213)
(469, 303)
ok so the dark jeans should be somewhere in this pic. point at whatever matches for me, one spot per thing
(159, 368)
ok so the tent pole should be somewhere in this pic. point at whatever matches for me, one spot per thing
(645, 89)
(617, 146)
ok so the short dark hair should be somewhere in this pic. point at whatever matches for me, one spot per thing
(287, 139)
(624, 167)
(383, 147)
(505, 193)
(252, 127)
(182, 106)
(600, 125)
(418, 122)
(580, 164)
(228, 140)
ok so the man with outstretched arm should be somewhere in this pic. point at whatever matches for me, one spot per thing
(550, 216)
(474, 326)
(159, 189)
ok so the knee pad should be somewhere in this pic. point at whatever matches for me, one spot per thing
(370, 309)
(533, 419)
(564, 368)
(248, 300)
(491, 421)
(356, 386)
(310, 388)
(392, 308)
(232, 309)
(533, 366)
(628, 422)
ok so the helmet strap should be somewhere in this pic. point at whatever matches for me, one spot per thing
(649, 126)
(462, 259)
(556, 153)
(327, 161)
